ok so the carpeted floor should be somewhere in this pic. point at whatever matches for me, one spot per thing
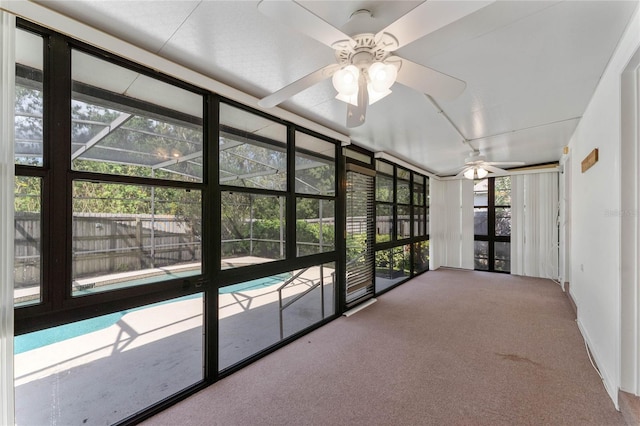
(446, 348)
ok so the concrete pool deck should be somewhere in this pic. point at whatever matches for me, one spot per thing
(151, 353)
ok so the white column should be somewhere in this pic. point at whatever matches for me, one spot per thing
(7, 78)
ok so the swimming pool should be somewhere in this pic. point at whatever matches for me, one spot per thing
(38, 339)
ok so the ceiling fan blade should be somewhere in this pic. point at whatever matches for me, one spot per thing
(295, 16)
(505, 163)
(298, 86)
(462, 172)
(495, 170)
(427, 18)
(357, 114)
(428, 81)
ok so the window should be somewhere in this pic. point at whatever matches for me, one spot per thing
(492, 224)
(30, 169)
(402, 235)
(127, 234)
(253, 228)
(131, 225)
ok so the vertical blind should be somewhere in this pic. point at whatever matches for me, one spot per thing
(534, 225)
(7, 79)
(451, 222)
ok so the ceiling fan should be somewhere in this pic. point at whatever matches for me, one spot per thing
(366, 67)
(476, 166)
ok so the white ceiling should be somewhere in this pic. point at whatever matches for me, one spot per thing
(530, 67)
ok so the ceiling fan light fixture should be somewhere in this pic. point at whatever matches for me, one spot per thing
(382, 76)
(475, 172)
(350, 99)
(345, 80)
(374, 95)
(470, 173)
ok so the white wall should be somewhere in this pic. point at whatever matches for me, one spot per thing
(629, 226)
(595, 219)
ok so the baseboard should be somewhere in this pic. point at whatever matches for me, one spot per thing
(567, 291)
(610, 385)
(629, 407)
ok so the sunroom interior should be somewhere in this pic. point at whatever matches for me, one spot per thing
(166, 230)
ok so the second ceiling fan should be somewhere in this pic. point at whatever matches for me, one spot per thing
(366, 67)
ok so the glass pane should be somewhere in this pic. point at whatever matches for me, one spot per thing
(253, 150)
(403, 174)
(404, 191)
(404, 222)
(315, 226)
(384, 167)
(315, 165)
(418, 191)
(384, 188)
(480, 221)
(420, 256)
(427, 225)
(250, 318)
(392, 266)
(253, 229)
(481, 255)
(502, 259)
(503, 221)
(480, 193)
(27, 243)
(29, 101)
(130, 235)
(427, 191)
(384, 223)
(503, 191)
(356, 155)
(418, 221)
(104, 369)
(128, 124)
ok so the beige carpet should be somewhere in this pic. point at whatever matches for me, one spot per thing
(447, 348)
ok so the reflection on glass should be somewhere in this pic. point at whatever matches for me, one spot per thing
(129, 235)
(384, 188)
(404, 222)
(253, 150)
(315, 226)
(154, 130)
(253, 229)
(502, 253)
(503, 221)
(384, 223)
(480, 221)
(421, 256)
(104, 369)
(392, 266)
(481, 255)
(28, 99)
(27, 242)
(256, 314)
